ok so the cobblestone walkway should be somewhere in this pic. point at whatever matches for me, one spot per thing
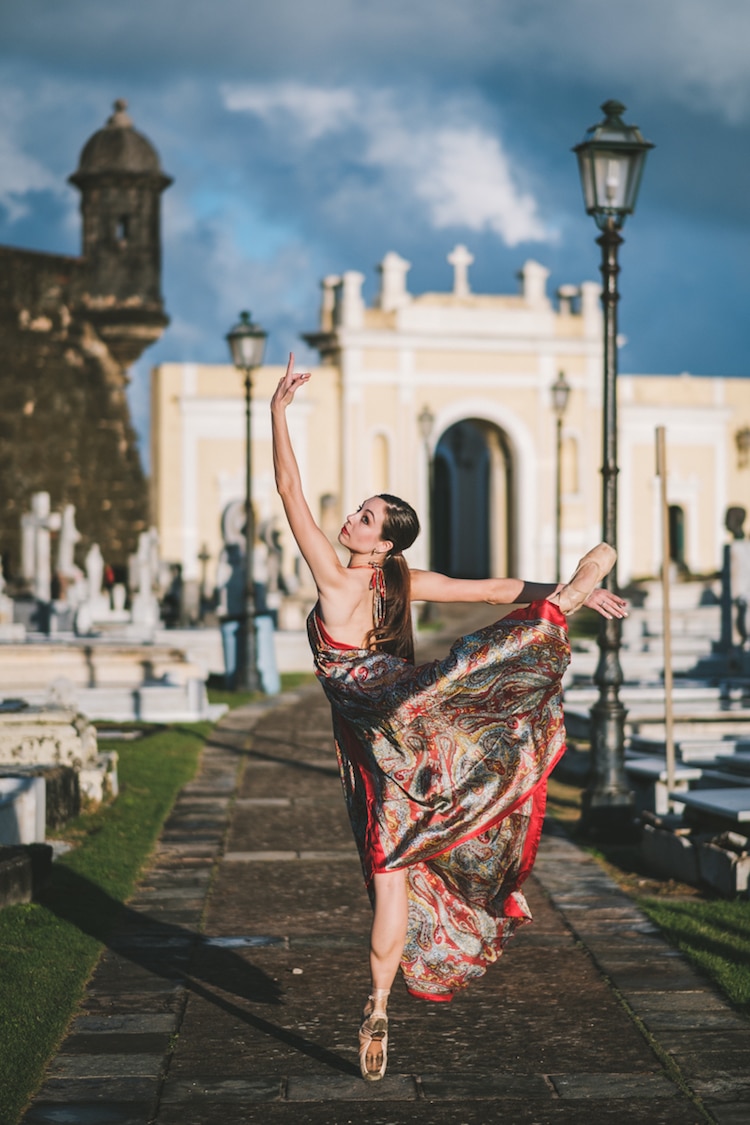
(233, 990)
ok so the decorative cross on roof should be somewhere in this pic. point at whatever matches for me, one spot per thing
(460, 259)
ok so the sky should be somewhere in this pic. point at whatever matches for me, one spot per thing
(309, 137)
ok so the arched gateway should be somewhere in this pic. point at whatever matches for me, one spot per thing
(473, 501)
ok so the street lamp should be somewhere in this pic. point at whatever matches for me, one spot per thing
(204, 558)
(560, 391)
(247, 343)
(610, 162)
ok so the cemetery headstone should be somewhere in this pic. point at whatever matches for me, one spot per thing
(145, 571)
(36, 528)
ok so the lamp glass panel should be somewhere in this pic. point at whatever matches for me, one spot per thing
(247, 347)
(611, 173)
(560, 393)
(588, 181)
(426, 422)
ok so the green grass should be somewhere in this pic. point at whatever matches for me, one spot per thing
(49, 948)
(713, 933)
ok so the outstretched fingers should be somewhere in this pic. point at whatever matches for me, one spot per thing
(607, 603)
(289, 384)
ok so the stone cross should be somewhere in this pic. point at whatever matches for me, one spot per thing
(460, 259)
(36, 526)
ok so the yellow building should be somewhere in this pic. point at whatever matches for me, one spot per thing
(456, 388)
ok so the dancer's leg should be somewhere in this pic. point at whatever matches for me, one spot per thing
(387, 939)
(388, 932)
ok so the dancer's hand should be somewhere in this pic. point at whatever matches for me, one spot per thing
(606, 603)
(288, 385)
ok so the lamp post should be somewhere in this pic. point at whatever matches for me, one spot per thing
(247, 343)
(560, 391)
(610, 162)
(203, 558)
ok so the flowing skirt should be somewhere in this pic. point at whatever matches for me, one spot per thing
(444, 770)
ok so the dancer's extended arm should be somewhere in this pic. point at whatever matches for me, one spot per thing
(317, 552)
(428, 586)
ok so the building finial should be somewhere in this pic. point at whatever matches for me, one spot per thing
(120, 119)
(460, 259)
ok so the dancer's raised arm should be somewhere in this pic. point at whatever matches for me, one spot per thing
(317, 552)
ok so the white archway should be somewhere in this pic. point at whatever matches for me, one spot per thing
(522, 452)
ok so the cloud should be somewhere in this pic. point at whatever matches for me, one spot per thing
(405, 126)
(694, 53)
(315, 111)
(464, 176)
(439, 156)
(690, 52)
(20, 172)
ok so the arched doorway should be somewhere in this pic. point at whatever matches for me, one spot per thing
(473, 502)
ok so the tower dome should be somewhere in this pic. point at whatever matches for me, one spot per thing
(118, 149)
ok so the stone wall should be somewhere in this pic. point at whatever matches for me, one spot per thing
(65, 424)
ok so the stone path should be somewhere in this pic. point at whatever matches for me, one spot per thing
(232, 991)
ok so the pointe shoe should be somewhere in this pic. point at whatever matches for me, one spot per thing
(374, 1029)
(593, 567)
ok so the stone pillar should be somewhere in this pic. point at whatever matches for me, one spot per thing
(591, 309)
(566, 295)
(328, 301)
(350, 306)
(533, 278)
(393, 292)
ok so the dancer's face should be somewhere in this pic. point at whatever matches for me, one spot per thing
(362, 532)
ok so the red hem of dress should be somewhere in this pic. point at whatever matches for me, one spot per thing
(437, 998)
(534, 834)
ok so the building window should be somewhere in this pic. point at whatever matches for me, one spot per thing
(123, 229)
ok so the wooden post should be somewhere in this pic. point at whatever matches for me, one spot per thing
(661, 472)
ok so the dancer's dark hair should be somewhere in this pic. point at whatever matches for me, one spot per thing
(396, 635)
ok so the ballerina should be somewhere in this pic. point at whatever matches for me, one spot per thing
(443, 766)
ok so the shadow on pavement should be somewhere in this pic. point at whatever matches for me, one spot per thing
(177, 954)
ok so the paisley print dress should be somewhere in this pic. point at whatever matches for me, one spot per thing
(444, 770)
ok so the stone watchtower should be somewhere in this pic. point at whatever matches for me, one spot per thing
(69, 329)
(121, 181)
